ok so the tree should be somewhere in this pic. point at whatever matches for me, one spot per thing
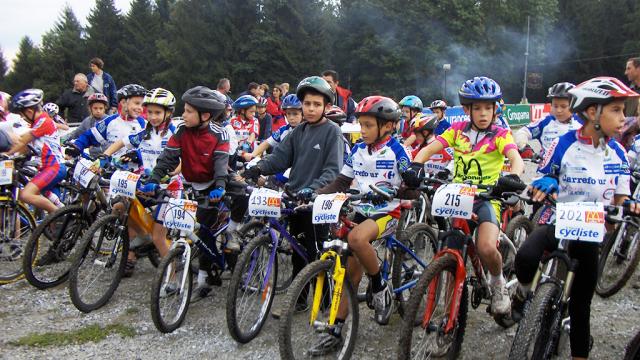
(3, 68)
(106, 36)
(25, 67)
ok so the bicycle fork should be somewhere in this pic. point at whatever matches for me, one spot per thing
(187, 263)
(338, 276)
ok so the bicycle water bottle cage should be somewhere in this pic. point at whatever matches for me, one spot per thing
(337, 245)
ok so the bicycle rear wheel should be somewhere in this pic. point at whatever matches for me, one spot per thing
(48, 253)
(300, 339)
(13, 239)
(171, 290)
(633, 348)
(96, 273)
(431, 340)
(618, 260)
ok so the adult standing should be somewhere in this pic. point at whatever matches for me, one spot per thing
(75, 100)
(102, 82)
(341, 96)
(224, 87)
(274, 108)
(285, 89)
(631, 125)
(252, 89)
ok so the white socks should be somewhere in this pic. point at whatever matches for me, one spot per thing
(202, 277)
(496, 280)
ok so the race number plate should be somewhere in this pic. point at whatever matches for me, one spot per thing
(84, 172)
(6, 172)
(181, 215)
(123, 183)
(265, 202)
(580, 221)
(454, 200)
(326, 208)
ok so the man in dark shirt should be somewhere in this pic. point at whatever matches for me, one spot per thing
(74, 100)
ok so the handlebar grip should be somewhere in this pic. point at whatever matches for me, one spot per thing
(511, 184)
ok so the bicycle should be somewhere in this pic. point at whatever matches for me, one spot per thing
(172, 283)
(620, 254)
(323, 283)
(545, 327)
(632, 351)
(442, 294)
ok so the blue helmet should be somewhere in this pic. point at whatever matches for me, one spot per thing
(479, 89)
(291, 101)
(245, 101)
(412, 102)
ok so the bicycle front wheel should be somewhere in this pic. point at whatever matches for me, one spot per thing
(171, 290)
(299, 337)
(97, 270)
(618, 260)
(16, 226)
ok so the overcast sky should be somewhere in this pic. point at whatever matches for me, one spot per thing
(35, 17)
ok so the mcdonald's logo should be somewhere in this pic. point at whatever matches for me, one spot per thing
(591, 217)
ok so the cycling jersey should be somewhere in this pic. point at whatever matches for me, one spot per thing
(438, 162)
(279, 135)
(443, 125)
(149, 148)
(108, 131)
(478, 156)
(632, 155)
(244, 128)
(547, 130)
(585, 172)
(47, 140)
(380, 165)
(14, 124)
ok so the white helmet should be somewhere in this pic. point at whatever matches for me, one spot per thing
(160, 96)
(51, 108)
(599, 91)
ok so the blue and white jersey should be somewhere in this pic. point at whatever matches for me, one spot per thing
(548, 129)
(382, 166)
(277, 137)
(501, 122)
(442, 126)
(587, 173)
(633, 153)
(110, 130)
(149, 145)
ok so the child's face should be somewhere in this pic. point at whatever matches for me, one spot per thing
(190, 116)
(439, 113)
(134, 106)
(560, 109)
(482, 113)
(369, 128)
(157, 114)
(313, 107)
(406, 112)
(612, 118)
(250, 112)
(294, 117)
(262, 110)
(97, 110)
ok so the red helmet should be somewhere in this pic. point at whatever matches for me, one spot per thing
(98, 97)
(381, 107)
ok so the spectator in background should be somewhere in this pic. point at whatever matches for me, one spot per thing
(74, 101)
(264, 119)
(631, 126)
(101, 82)
(252, 89)
(274, 108)
(341, 96)
(224, 87)
(263, 90)
(285, 89)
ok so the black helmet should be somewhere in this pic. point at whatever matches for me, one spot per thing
(131, 90)
(204, 100)
(336, 115)
(317, 84)
(560, 90)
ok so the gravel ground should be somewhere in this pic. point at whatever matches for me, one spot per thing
(204, 334)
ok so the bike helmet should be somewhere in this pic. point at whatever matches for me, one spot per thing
(599, 91)
(26, 99)
(381, 107)
(205, 100)
(317, 84)
(424, 122)
(98, 97)
(160, 96)
(262, 102)
(245, 101)
(336, 115)
(131, 90)
(291, 101)
(438, 104)
(411, 101)
(560, 90)
(479, 89)
(51, 108)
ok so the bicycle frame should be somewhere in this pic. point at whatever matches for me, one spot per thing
(547, 265)
(339, 273)
(390, 243)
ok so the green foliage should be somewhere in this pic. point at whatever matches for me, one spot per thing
(25, 67)
(106, 37)
(91, 333)
(3, 68)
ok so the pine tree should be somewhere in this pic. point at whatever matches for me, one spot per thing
(142, 30)
(105, 37)
(25, 67)
(3, 68)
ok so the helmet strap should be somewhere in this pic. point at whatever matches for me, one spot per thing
(596, 125)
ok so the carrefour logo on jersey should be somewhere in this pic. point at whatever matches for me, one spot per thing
(583, 180)
(364, 173)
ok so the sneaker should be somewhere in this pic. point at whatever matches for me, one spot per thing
(327, 343)
(234, 239)
(500, 301)
(518, 302)
(383, 305)
(200, 292)
(129, 267)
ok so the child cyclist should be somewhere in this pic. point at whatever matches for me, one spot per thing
(245, 124)
(438, 107)
(424, 129)
(44, 137)
(149, 144)
(411, 106)
(588, 155)
(556, 124)
(201, 146)
(479, 150)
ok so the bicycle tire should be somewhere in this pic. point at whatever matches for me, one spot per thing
(446, 263)
(400, 277)
(88, 256)
(60, 254)
(8, 245)
(172, 258)
(606, 290)
(535, 327)
(248, 259)
(632, 351)
(285, 332)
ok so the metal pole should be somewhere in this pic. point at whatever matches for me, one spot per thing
(526, 64)
(445, 67)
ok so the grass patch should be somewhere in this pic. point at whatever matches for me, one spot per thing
(132, 311)
(91, 333)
